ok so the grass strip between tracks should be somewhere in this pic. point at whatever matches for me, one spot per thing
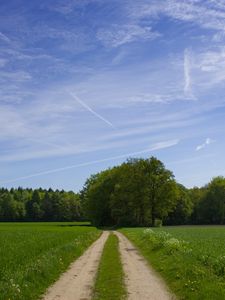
(110, 277)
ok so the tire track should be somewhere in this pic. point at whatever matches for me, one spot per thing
(77, 283)
(141, 281)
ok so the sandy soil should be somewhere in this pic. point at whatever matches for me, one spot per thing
(141, 281)
(77, 283)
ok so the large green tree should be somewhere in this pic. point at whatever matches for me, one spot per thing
(129, 200)
(96, 197)
(161, 188)
(134, 194)
(212, 206)
(183, 210)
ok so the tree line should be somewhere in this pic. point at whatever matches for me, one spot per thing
(39, 205)
(139, 192)
(142, 192)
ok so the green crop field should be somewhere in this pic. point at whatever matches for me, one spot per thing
(32, 255)
(190, 258)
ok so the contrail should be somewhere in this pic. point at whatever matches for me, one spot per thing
(187, 75)
(92, 111)
(207, 142)
(157, 146)
(4, 38)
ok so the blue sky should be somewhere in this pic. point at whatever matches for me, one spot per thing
(84, 84)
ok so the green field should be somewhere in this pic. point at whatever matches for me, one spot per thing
(190, 258)
(32, 255)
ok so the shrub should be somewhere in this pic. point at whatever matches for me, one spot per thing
(162, 239)
(158, 223)
(174, 245)
(219, 265)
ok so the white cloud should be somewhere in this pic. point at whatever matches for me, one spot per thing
(219, 36)
(3, 62)
(218, 4)
(207, 14)
(157, 146)
(119, 57)
(12, 85)
(66, 7)
(208, 68)
(187, 71)
(152, 127)
(16, 76)
(4, 38)
(12, 123)
(30, 146)
(117, 35)
(207, 142)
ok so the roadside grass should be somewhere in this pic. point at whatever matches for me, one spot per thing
(33, 255)
(110, 277)
(190, 259)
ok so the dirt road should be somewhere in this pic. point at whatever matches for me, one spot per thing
(141, 281)
(78, 281)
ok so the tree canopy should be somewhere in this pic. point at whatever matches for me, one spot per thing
(139, 192)
(39, 205)
(136, 193)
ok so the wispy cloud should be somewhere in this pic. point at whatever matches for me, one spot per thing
(3, 62)
(219, 36)
(151, 127)
(135, 65)
(87, 107)
(210, 67)
(207, 142)
(118, 35)
(67, 7)
(157, 146)
(4, 38)
(31, 149)
(191, 160)
(187, 71)
(17, 76)
(207, 14)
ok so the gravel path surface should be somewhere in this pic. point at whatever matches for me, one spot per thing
(141, 281)
(77, 283)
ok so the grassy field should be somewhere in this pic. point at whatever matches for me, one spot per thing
(32, 255)
(109, 284)
(190, 258)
